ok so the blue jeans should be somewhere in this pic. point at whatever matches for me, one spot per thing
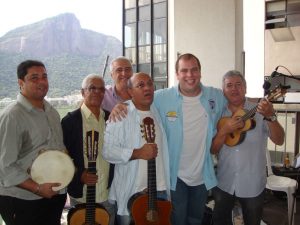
(188, 204)
(224, 202)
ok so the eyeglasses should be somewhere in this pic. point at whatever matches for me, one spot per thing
(94, 89)
(123, 69)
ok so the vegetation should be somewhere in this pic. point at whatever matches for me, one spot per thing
(68, 51)
(65, 73)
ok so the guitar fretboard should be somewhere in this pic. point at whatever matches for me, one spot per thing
(92, 153)
(152, 189)
(273, 95)
(249, 114)
(90, 197)
(149, 134)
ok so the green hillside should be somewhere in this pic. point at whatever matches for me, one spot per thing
(68, 51)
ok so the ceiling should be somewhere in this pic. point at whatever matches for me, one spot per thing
(282, 13)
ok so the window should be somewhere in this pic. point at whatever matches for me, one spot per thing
(145, 38)
(288, 120)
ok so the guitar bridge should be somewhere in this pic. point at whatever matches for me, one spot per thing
(152, 216)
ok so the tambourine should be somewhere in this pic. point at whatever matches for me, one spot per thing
(53, 166)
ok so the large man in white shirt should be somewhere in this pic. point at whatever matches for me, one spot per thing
(125, 147)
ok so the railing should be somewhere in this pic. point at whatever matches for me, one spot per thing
(289, 118)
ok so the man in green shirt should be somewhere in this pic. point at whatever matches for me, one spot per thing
(28, 126)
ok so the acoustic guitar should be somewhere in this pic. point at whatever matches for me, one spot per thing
(145, 208)
(89, 213)
(238, 136)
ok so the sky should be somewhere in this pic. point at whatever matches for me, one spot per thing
(103, 16)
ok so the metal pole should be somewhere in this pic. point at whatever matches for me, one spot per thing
(105, 65)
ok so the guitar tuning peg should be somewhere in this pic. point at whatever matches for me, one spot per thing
(141, 126)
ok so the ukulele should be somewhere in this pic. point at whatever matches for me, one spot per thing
(145, 208)
(89, 213)
(238, 136)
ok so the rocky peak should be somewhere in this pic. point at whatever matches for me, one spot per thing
(52, 36)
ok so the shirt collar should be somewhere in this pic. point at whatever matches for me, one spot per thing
(85, 111)
(247, 105)
(28, 106)
(88, 113)
(114, 91)
(115, 95)
(131, 106)
(178, 93)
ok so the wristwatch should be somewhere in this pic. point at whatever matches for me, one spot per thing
(271, 118)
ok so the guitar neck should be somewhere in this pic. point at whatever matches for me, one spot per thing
(90, 196)
(270, 97)
(152, 189)
(249, 113)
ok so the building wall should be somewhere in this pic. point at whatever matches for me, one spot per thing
(239, 36)
(215, 32)
(254, 17)
(285, 53)
(210, 29)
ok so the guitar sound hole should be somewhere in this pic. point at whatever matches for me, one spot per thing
(152, 215)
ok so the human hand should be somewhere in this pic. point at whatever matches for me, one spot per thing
(46, 190)
(232, 124)
(146, 152)
(89, 178)
(118, 112)
(265, 108)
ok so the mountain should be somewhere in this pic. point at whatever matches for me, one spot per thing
(68, 51)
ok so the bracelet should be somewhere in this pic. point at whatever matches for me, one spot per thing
(37, 191)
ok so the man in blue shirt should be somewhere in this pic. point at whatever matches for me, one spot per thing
(189, 113)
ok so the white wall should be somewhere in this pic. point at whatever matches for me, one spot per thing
(286, 53)
(254, 17)
(239, 36)
(217, 32)
(171, 46)
(206, 28)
